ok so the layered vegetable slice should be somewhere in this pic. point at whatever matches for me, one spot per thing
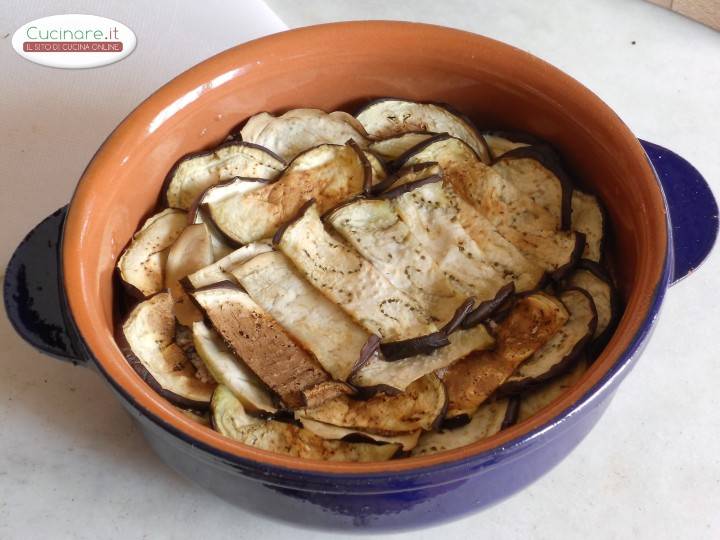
(457, 163)
(377, 372)
(315, 322)
(407, 441)
(194, 173)
(146, 338)
(590, 277)
(191, 251)
(350, 281)
(536, 171)
(500, 142)
(589, 219)
(564, 348)
(230, 419)
(387, 117)
(536, 399)
(142, 265)
(220, 270)
(328, 173)
(261, 342)
(230, 371)
(393, 147)
(485, 422)
(298, 130)
(531, 324)
(420, 406)
(375, 230)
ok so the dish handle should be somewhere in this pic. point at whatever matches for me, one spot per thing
(692, 209)
(33, 293)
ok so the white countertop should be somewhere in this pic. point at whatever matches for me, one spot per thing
(72, 465)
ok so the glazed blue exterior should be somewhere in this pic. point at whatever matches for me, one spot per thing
(35, 304)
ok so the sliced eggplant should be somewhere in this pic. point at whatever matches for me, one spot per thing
(563, 349)
(588, 218)
(591, 278)
(485, 422)
(500, 142)
(146, 338)
(194, 173)
(375, 230)
(376, 372)
(264, 346)
(407, 441)
(536, 399)
(488, 308)
(537, 172)
(431, 213)
(231, 371)
(298, 130)
(387, 117)
(191, 251)
(395, 146)
(457, 161)
(142, 264)
(315, 322)
(350, 281)
(378, 170)
(531, 323)
(220, 269)
(202, 418)
(420, 406)
(328, 173)
(230, 419)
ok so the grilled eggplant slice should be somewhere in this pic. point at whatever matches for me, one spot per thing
(328, 173)
(500, 142)
(431, 213)
(378, 171)
(146, 338)
(592, 279)
(230, 419)
(537, 172)
(387, 117)
(588, 218)
(376, 372)
(375, 230)
(194, 173)
(393, 147)
(486, 422)
(457, 161)
(350, 281)
(298, 130)
(536, 399)
(142, 264)
(202, 418)
(407, 441)
(253, 335)
(420, 406)
(230, 371)
(315, 322)
(220, 269)
(563, 349)
(529, 326)
(191, 251)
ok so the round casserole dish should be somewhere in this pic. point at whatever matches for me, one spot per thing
(663, 216)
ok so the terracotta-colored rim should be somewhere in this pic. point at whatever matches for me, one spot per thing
(98, 337)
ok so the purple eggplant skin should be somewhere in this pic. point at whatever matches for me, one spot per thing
(367, 168)
(368, 350)
(397, 350)
(559, 273)
(548, 158)
(386, 184)
(147, 377)
(598, 344)
(207, 152)
(486, 309)
(394, 193)
(449, 108)
(455, 422)
(511, 413)
(517, 387)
